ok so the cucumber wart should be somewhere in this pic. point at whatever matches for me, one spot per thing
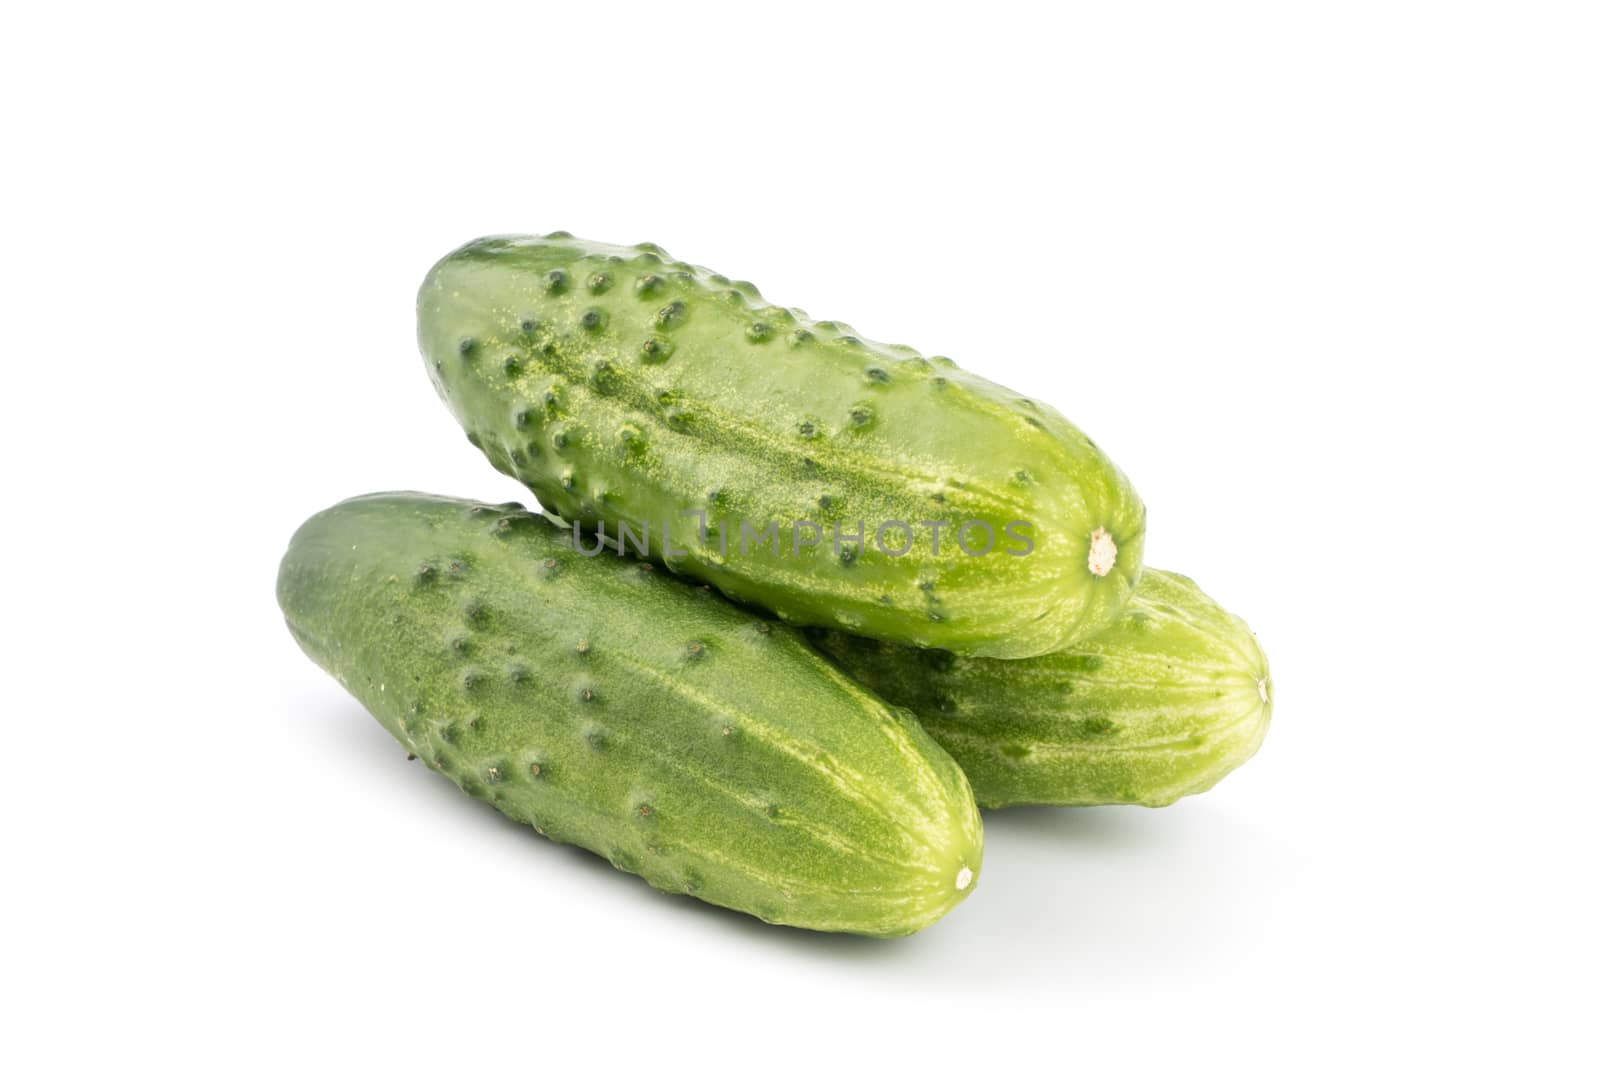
(622, 385)
(705, 749)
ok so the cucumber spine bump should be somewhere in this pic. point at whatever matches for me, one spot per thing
(620, 384)
(1170, 698)
(614, 707)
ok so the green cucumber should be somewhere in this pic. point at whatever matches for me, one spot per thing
(705, 749)
(1164, 703)
(621, 385)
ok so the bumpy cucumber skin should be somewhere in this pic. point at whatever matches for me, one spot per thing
(620, 384)
(707, 750)
(1169, 699)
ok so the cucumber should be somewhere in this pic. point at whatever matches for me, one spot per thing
(707, 750)
(792, 463)
(1164, 703)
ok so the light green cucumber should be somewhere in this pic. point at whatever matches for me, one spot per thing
(910, 500)
(611, 706)
(1164, 703)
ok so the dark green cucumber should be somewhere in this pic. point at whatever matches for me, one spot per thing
(707, 750)
(1162, 704)
(622, 385)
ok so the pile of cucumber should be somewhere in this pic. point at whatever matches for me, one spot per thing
(798, 603)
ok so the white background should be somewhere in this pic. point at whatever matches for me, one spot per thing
(1322, 278)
